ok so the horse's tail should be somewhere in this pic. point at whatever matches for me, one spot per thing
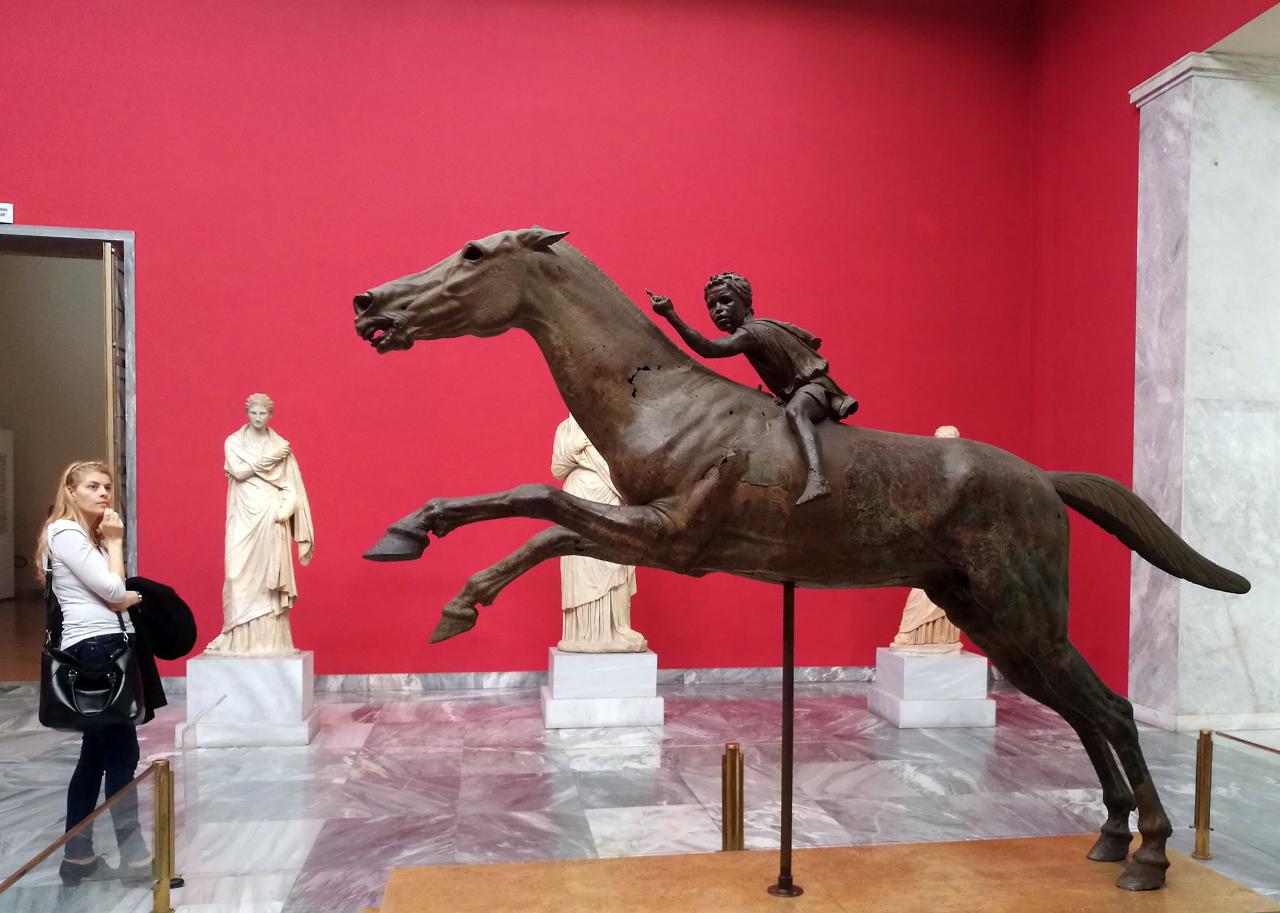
(1127, 517)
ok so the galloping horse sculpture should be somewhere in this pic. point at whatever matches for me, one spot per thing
(710, 475)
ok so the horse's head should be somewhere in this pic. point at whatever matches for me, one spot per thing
(476, 292)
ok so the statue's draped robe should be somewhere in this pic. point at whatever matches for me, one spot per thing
(258, 586)
(925, 627)
(594, 595)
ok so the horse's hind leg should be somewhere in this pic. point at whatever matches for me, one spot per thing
(1114, 716)
(1007, 620)
(482, 588)
(1112, 844)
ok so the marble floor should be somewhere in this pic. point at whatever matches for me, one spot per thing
(472, 777)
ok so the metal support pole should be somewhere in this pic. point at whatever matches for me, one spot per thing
(1204, 791)
(731, 798)
(785, 887)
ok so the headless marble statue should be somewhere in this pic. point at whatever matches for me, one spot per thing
(925, 627)
(595, 595)
(266, 508)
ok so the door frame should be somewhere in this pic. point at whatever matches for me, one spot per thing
(123, 241)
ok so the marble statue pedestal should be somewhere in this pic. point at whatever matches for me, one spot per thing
(587, 690)
(245, 701)
(915, 692)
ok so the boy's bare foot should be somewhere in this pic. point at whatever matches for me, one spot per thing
(817, 487)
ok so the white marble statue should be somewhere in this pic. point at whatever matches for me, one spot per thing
(925, 627)
(595, 595)
(266, 509)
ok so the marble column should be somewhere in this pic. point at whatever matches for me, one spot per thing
(1207, 391)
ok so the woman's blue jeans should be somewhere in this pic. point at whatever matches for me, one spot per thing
(110, 753)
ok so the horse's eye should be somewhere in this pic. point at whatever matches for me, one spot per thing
(472, 252)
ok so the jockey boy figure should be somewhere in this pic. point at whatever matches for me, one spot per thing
(785, 356)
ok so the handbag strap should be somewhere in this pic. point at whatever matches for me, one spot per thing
(52, 610)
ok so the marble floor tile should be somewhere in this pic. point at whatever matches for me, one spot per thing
(307, 799)
(405, 775)
(653, 830)
(521, 733)
(925, 819)
(635, 788)
(556, 792)
(234, 892)
(343, 736)
(414, 737)
(512, 761)
(383, 843)
(520, 836)
(104, 896)
(24, 746)
(372, 766)
(245, 847)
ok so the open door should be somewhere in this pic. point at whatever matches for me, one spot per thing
(66, 393)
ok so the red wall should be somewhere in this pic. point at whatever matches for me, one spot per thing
(871, 167)
(1090, 54)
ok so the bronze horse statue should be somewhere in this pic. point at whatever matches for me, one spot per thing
(710, 474)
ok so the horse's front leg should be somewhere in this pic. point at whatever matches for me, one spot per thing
(631, 527)
(680, 523)
(482, 588)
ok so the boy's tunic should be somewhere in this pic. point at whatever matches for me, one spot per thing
(786, 358)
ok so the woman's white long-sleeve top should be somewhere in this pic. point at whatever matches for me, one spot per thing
(84, 585)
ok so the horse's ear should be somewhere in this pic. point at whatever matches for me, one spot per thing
(537, 238)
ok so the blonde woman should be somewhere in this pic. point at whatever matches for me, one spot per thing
(82, 546)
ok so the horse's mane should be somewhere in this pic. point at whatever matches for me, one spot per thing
(610, 289)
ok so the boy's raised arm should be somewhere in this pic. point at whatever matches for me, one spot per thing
(723, 347)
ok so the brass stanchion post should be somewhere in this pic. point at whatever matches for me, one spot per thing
(731, 829)
(162, 854)
(1204, 791)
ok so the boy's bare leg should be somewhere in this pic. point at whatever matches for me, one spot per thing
(803, 412)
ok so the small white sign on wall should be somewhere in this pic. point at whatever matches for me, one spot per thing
(6, 213)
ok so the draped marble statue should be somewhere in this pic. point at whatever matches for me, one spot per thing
(266, 509)
(925, 627)
(595, 596)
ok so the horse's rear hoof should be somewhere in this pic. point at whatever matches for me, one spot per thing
(454, 620)
(1142, 876)
(396, 546)
(1111, 848)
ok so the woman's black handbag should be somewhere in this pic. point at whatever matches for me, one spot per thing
(79, 697)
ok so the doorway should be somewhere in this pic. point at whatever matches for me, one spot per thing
(66, 394)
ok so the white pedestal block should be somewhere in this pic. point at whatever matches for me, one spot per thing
(244, 701)
(601, 689)
(915, 692)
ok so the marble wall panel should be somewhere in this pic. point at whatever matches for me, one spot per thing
(1232, 506)
(1163, 191)
(1233, 323)
(1207, 394)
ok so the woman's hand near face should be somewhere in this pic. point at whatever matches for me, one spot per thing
(112, 527)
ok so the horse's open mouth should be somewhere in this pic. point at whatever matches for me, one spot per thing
(381, 333)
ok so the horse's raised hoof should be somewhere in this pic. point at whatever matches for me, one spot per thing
(1142, 876)
(456, 618)
(396, 546)
(1111, 848)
